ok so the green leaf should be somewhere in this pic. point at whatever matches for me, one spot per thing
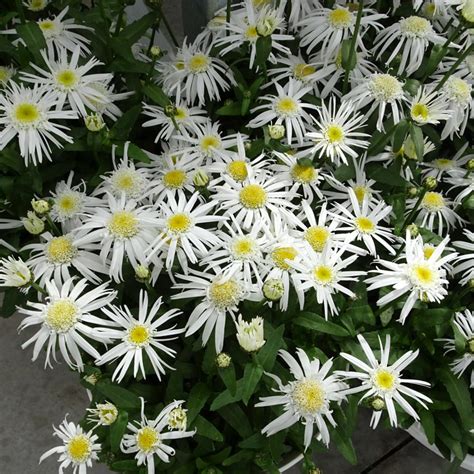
(345, 447)
(133, 152)
(252, 375)
(197, 399)
(225, 398)
(416, 135)
(235, 417)
(238, 457)
(348, 60)
(264, 47)
(379, 141)
(345, 172)
(232, 109)
(133, 32)
(386, 175)
(228, 377)
(122, 397)
(123, 126)
(400, 134)
(317, 323)
(267, 354)
(33, 37)
(117, 430)
(126, 465)
(207, 429)
(428, 424)
(156, 94)
(450, 425)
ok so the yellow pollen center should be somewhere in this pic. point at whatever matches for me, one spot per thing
(419, 112)
(179, 223)
(308, 396)
(61, 315)
(209, 142)
(360, 192)
(225, 295)
(384, 380)
(251, 33)
(364, 225)
(125, 180)
(385, 87)
(340, 18)
(123, 225)
(60, 250)
(433, 201)
(174, 179)
(458, 90)
(286, 106)
(253, 196)
(198, 63)
(304, 174)
(180, 114)
(147, 439)
(36, 5)
(428, 250)
(281, 255)
(79, 448)
(302, 71)
(415, 26)
(423, 275)
(26, 114)
(334, 134)
(139, 335)
(67, 79)
(443, 163)
(317, 237)
(47, 26)
(67, 204)
(243, 247)
(4, 74)
(323, 274)
(238, 170)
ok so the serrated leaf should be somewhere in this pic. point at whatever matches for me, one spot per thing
(207, 429)
(117, 430)
(317, 323)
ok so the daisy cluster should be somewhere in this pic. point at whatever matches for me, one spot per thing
(304, 161)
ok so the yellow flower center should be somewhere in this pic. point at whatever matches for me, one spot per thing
(340, 18)
(419, 112)
(423, 275)
(123, 225)
(225, 295)
(67, 79)
(433, 201)
(139, 335)
(415, 26)
(458, 90)
(428, 251)
(60, 250)
(48, 27)
(360, 192)
(317, 237)
(36, 5)
(243, 247)
(261, 3)
(61, 315)
(384, 380)
(304, 174)
(238, 170)
(210, 142)
(308, 396)
(68, 203)
(323, 274)
(126, 180)
(147, 439)
(174, 179)
(364, 225)
(281, 255)
(443, 163)
(253, 196)
(179, 223)
(26, 113)
(251, 33)
(79, 448)
(180, 114)
(385, 87)
(334, 134)
(286, 107)
(302, 71)
(198, 63)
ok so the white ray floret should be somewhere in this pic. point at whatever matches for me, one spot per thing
(464, 264)
(428, 106)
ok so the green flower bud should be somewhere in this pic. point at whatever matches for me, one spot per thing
(223, 360)
(155, 51)
(430, 183)
(377, 403)
(468, 11)
(32, 223)
(470, 165)
(266, 26)
(470, 346)
(142, 273)
(277, 132)
(413, 229)
(94, 122)
(413, 191)
(273, 289)
(201, 179)
(40, 206)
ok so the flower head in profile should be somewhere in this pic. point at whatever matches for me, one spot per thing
(383, 382)
(14, 272)
(147, 438)
(104, 414)
(79, 449)
(307, 398)
(250, 334)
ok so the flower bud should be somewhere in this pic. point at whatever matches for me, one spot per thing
(315, 470)
(277, 132)
(103, 413)
(32, 223)
(223, 360)
(468, 11)
(142, 273)
(471, 283)
(413, 229)
(170, 110)
(40, 206)
(177, 419)
(250, 335)
(430, 183)
(470, 165)
(201, 179)
(14, 273)
(91, 379)
(155, 51)
(94, 122)
(273, 289)
(377, 403)
(413, 191)
(266, 26)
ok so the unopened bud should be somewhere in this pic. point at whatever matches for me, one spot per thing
(468, 11)
(277, 132)
(201, 179)
(177, 419)
(32, 223)
(471, 283)
(470, 346)
(94, 122)
(413, 191)
(40, 206)
(377, 403)
(413, 229)
(266, 26)
(142, 273)
(223, 360)
(273, 289)
(430, 183)
(315, 470)
(470, 165)
(92, 378)
(170, 110)
(155, 51)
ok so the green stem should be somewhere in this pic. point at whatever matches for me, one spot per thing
(38, 288)
(448, 73)
(20, 10)
(227, 15)
(352, 50)
(152, 39)
(119, 20)
(53, 226)
(167, 26)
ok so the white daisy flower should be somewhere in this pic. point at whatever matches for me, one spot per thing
(140, 338)
(54, 258)
(104, 98)
(422, 278)
(70, 81)
(31, 114)
(307, 398)
(428, 106)
(363, 223)
(451, 167)
(14, 272)
(65, 318)
(465, 324)
(466, 183)
(408, 39)
(220, 297)
(286, 108)
(384, 381)
(324, 271)
(181, 230)
(336, 134)
(36, 5)
(435, 212)
(379, 91)
(464, 264)
(124, 230)
(79, 449)
(328, 28)
(148, 437)
(6, 73)
(300, 9)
